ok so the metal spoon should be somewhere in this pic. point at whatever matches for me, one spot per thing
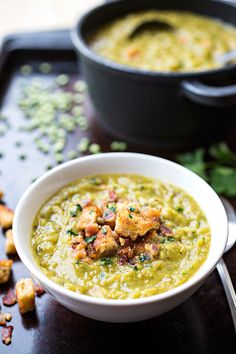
(151, 25)
(221, 266)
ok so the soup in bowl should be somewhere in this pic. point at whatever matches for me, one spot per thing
(120, 236)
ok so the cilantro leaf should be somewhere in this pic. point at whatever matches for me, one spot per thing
(221, 152)
(223, 180)
(194, 161)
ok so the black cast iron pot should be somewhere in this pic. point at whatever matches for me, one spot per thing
(168, 110)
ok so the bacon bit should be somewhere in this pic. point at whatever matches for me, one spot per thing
(112, 196)
(139, 248)
(110, 217)
(126, 242)
(132, 52)
(39, 291)
(7, 334)
(92, 251)
(126, 251)
(165, 231)
(9, 299)
(123, 259)
(91, 230)
(152, 249)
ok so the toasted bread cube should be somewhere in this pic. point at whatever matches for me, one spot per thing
(5, 270)
(5, 317)
(1, 194)
(9, 243)
(25, 295)
(6, 216)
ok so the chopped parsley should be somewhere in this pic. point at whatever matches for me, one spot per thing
(79, 207)
(131, 209)
(104, 231)
(167, 239)
(71, 232)
(180, 209)
(144, 257)
(105, 261)
(95, 181)
(75, 212)
(112, 208)
(90, 239)
(130, 216)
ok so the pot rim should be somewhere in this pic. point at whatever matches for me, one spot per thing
(81, 45)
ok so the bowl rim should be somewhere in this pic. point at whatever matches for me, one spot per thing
(38, 274)
(81, 45)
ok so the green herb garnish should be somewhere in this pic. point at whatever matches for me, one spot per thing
(167, 239)
(90, 239)
(130, 216)
(144, 257)
(78, 208)
(112, 208)
(180, 209)
(217, 166)
(131, 209)
(104, 231)
(105, 261)
(71, 232)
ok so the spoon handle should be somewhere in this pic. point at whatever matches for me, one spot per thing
(229, 288)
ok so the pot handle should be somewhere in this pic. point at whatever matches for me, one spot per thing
(208, 95)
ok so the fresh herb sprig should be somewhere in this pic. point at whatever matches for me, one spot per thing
(217, 165)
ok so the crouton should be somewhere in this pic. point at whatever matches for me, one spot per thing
(6, 216)
(7, 334)
(5, 317)
(91, 230)
(132, 222)
(5, 270)
(25, 295)
(105, 244)
(89, 216)
(9, 243)
(9, 299)
(1, 195)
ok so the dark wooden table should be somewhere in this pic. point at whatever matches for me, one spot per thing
(200, 325)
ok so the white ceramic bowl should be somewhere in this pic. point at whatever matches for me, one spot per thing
(167, 171)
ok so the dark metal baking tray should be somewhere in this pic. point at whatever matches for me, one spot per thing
(201, 325)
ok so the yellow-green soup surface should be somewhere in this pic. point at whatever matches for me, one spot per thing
(195, 43)
(120, 236)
